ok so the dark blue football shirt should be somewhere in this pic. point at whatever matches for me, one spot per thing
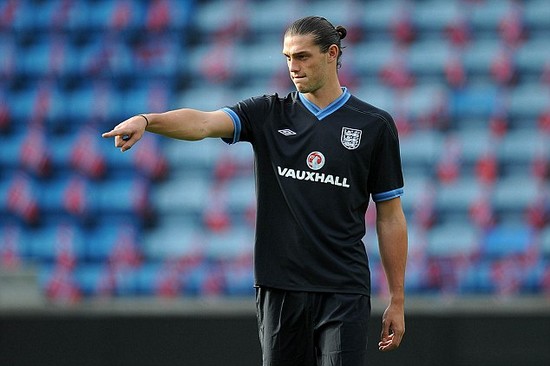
(315, 170)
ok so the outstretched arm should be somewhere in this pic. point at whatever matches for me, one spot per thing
(392, 239)
(183, 124)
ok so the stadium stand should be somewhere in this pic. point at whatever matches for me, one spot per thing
(467, 81)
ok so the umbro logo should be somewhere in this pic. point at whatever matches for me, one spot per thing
(287, 132)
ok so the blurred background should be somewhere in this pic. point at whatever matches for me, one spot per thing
(83, 226)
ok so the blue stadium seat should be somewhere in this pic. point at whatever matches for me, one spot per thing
(239, 280)
(19, 198)
(175, 237)
(24, 16)
(104, 281)
(458, 196)
(486, 15)
(90, 277)
(536, 15)
(22, 103)
(107, 57)
(212, 17)
(207, 97)
(10, 150)
(377, 94)
(529, 100)
(416, 186)
(14, 239)
(545, 243)
(102, 15)
(370, 62)
(57, 242)
(533, 279)
(475, 142)
(474, 101)
(182, 195)
(425, 101)
(240, 194)
(61, 155)
(121, 197)
(204, 280)
(156, 58)
(42, 58)
(344, 14)
(434, 16)
(521, 146)
(421, 148)
(370, 240)
(233, 245)
(379, 15)
(453, 240)
(159, 279)
(186, 156)
(415, 277)
(378, 279)
(477, 279)
(116, 242)
(8, 49)
(479, 55)
(80, 105)
(72, 197)
(429, 58)
(508, 239)
(514, 194)
(532, 55)
(257, 59)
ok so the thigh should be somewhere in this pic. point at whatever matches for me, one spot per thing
(342, 330)
(286, 334)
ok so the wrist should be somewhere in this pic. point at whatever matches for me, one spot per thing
(397, 299)
(145, 118)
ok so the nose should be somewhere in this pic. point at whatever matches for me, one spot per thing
(293, 65)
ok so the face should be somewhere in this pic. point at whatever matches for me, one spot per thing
(309, 68)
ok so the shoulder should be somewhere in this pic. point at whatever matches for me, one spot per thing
(367, 108)
(268, 100)
(374, 113)
(274, 98)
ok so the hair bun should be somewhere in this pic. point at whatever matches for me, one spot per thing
(341, 31)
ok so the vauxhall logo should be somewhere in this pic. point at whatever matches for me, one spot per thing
(315, 161)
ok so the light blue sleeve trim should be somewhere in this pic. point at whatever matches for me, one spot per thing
(236, 124)
(385, 196)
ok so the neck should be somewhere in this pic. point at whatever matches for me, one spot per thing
(326, 95)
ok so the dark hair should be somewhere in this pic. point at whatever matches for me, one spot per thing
(324, 33)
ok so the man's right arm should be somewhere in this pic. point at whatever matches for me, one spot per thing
(184, 124)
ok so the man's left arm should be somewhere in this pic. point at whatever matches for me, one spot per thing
(391, 228)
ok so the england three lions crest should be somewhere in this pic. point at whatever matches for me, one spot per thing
(351, 138)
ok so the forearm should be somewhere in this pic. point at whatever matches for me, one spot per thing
(392, 237)
(183, 124)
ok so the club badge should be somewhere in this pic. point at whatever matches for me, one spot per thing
(351, 138)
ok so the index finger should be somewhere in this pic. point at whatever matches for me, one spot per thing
(113, 133)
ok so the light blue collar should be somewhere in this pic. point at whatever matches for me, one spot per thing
(332, 107)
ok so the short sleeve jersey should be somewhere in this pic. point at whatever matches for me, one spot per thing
(315, 171)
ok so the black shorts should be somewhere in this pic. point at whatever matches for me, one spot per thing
(312, 328)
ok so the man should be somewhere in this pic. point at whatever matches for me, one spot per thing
(320, 154)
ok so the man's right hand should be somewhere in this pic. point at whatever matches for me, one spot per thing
(127, 133)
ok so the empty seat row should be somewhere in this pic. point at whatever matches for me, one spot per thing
(95, 15)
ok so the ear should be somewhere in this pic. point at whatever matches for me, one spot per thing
(333, 52)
